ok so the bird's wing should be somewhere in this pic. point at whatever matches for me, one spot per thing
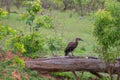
(70, 44)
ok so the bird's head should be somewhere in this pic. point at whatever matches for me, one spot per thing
(79, 39)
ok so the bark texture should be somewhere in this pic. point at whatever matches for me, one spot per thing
(63, 64)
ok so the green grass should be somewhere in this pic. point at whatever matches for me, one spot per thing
(68, 28)
(6, 72)
(70, 76)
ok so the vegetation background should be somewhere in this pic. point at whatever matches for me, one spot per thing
(42, 28)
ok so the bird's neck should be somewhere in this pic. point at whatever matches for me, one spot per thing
(76, 41)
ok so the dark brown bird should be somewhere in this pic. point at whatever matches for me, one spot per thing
(71, 46)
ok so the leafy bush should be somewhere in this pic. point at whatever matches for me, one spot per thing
(103, 25)
(114, 8)
(2, 12)
(29, 43)
(30, 17)
(34, 42)
(19, 62)
(33, 6)
(44, 21)
(5, 31)
(55, 43)
(107, 31)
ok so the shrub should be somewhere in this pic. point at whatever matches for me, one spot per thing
(2, 13)
(44, 21)
(55, 43)
(107, 31)
(29, 43)
(6, 31)
(19, 62)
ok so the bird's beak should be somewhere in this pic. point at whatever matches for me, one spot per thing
(81, 40)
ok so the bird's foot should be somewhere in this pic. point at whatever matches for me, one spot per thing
(73, 55)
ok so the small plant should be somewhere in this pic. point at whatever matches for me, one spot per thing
(33, 7)
(3, 13)
(29, 43)
(30, 17)
(34, 42)
(19, 47)
(6, 31)
(44, 21)
(55, 44)
(19, 62)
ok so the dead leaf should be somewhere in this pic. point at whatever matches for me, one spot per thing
(9, 55)
(27, 76)
(16, 75)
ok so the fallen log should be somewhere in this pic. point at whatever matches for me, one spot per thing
(63, 64)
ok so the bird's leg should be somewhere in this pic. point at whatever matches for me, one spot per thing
(69, 55)
(72, 53)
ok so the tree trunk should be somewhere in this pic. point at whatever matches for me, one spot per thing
(18, 3)
(62, 64)
(81, 8)
(103, 5)
(89, 7)
(8, 4)
(1, 3)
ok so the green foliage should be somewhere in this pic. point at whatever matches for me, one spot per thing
(35, 76)
(114, 8)
(4, 64)
(2, 13)
(55, 43)
(19, 62)
(30, 17)
(5, 31)
(19, 47)
(6, 70)
(32, 8)
(102, 23)
(44, 21)
(29, 43)
(15, 43)
(70, 76)
(63, 74)
(58, 2)
(107, 30)
(34, 42)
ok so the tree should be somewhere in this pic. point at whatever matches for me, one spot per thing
(79, 3)
(107, 28)
(2, 3)
(33, 42)
(107, 31)
(18, 3)
(8, 5)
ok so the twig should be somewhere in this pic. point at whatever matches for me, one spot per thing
(76, 77)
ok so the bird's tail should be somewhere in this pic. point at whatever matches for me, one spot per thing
(66, 53)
